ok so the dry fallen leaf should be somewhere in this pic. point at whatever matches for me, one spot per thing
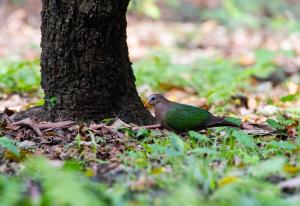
(247, 60)
(142, 183)
(28, 123)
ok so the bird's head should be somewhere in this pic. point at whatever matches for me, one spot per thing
(154, 99)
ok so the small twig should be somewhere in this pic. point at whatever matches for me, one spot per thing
(53, 125)
(155, 126)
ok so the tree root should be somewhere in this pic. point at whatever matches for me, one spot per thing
(36, 113)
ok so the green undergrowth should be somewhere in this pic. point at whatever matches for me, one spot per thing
(221, 167)
(214, 78)
(278, 15)
(224, 167)
(19, 76)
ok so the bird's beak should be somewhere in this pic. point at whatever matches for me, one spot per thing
(148, 105)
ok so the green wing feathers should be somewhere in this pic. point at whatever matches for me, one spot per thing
(185, 117)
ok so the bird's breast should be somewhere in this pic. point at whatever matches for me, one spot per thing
(160, 111)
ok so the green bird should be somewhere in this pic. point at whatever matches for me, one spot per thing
(182, 117)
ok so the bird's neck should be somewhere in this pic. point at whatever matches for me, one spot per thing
(164, 104)
(160, 109)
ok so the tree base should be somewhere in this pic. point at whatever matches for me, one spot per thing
(41, 114)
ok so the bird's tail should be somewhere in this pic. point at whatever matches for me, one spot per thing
(221, 122)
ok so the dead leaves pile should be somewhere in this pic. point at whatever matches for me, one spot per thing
(87, 143)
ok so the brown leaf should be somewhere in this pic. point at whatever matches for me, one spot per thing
(117, 124)
(291, 130)
(94, 126)
(142, 183)
(247, 60)
(29, 123)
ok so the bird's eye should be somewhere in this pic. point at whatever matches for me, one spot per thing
(153, 98)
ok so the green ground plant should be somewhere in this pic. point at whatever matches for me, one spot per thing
(230, 168)
(19, 76)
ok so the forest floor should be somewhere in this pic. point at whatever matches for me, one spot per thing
(250, 73)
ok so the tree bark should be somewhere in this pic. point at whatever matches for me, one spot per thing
(86, 71)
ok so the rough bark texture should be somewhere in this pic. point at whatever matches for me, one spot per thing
(86, 71)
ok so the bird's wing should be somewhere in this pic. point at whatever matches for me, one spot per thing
(185, 117)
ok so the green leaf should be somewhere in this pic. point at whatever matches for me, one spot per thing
(8, 144)
(288, 98)
(60, 185)
(264, 56)
(204, 150)
(244, 138)
(265, 168)
(11, 190)
(250, 159)
(273, 123)
(233, 120)
(177, 143)
(108, 120)
(197, 136)
(288, 122)
(142, 132)
(39, 103)
(283, 145)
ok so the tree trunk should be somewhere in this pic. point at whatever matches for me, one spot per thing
(86, 71)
